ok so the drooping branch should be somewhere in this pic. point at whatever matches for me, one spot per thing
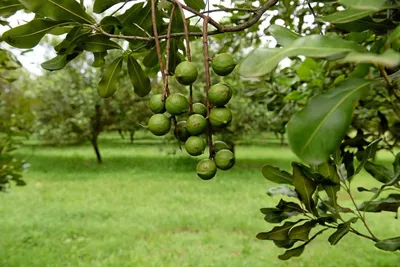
(157, 40)
(219, 28)
(208, 84)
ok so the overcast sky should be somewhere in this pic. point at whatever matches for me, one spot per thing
(32, 60)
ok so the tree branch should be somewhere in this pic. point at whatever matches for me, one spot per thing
(220, 29)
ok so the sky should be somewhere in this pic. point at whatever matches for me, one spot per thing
(32, 60)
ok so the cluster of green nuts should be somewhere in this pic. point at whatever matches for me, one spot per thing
(192, 130)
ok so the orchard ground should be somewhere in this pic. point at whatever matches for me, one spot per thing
(145, 207)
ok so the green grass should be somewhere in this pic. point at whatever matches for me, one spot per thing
(145, 207)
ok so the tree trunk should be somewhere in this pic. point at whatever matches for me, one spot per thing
(121, 134)
(96, 149)
(282, 139)
(131, 135)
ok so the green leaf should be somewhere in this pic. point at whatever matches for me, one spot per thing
(390, 203)
(275, 175)
(328, 116)
(379, 172)
(98, 43)
(282, 35)
(59, 10)
(99, 59)
(273, 215)
(278, 232)
(57, 63)
(328, 170)
(373, 5)
(341, 231)
(394, 35)
(304, 187)
(102, 5)
(263, 60)
(296, 252)
(331, 191)
(369, 153)
(282, 190)
(391, 244)
(196, 4)
(71, 41)
(9, 7)
(130, 15)
(289, 207)
(30, 34)
(346, 16)
(109, 83)
(139, 79)
(302, 232)
(389, 58)
(288, 243)
(396, 163)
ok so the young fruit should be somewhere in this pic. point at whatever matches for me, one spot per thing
(220, 116)
(156, 104)
(219, 145)
(195, 145)
(181, 133)
(224, 159)
(186, 73)
(159, 124)
(220, 94)
(196, 124)
(206, 169)
(176, 104)
(199, 108)
(223, 64)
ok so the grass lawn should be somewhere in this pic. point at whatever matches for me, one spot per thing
(145, 207)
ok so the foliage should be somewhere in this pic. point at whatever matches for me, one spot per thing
(338, 100)
(346, 91)
(16, 119)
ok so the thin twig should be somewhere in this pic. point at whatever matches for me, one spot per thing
(315, 16)
(226, 9)
(388, 81)
(157, 40)
(220, 29)
(166, 92)
(121, 7)
(186, 30)
(208, 84)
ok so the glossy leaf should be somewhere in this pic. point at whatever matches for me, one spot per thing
(30, 34)
(59, 10)
(389, 58)
(302, 232)
(56, 63)
(273, 215)
(304, 187)
(317, 130)
(296, 252)
(369, 153)
(346, 16)
(289, 207)
(109, 82)
(275, 175)
(263, 60)
(278, 232)
(131, 14)
(139, 79)
(288, 243)
(9, 7)
(196, 4)
(396, 163)
(391, 244)
(282, 35)
(379, 172)
(373, 5)
(390, 203)
(341, 231)
(99, 59)
(282, 190)
(102, 5)
(98, 43)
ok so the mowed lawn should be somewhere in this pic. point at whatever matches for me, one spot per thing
(146, 207)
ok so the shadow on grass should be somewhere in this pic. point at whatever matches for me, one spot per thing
(115, 164)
